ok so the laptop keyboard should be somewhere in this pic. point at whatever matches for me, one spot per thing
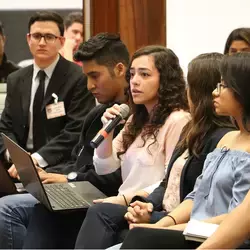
(64, 197)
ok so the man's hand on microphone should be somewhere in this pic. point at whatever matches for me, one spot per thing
(110, 114)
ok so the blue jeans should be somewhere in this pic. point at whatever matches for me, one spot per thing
(15, 213)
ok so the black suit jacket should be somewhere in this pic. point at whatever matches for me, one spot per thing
(82, 155)
(62, 133)
(191, 170)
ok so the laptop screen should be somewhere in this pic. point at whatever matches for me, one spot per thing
(26, 170)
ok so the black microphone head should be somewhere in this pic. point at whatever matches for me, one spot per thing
(124, 111)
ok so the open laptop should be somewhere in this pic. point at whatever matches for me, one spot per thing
(7, 186)
(57, 196)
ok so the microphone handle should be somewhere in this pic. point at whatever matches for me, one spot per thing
(112, 124)
(97, 140)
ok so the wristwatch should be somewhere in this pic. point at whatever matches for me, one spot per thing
(72, 176)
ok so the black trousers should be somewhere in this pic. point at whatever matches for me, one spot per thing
(104, 226)
(53, 230)
(148, 238)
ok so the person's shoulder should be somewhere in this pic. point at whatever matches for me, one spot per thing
(228, 138)
(73, 74)
(21, 72)
(71, 66)
(94, 116)
(220, 132)
(212, 138)
(12, 66)
(99, 109)
(178, 116)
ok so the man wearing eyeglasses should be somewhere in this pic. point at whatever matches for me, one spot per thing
(46, 102)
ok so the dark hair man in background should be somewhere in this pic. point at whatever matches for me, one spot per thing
(6, 67)
(33, 90)
(73, 33)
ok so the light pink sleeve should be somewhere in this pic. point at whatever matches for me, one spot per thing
(174, 126)
(109, 165)
(118, 140)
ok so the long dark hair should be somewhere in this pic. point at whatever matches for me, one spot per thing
(203, 76)
(171, 96)
(235, 71)
(240, 34)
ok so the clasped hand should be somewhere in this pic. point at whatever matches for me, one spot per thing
(139, 212)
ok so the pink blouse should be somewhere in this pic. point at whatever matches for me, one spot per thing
(143, 167)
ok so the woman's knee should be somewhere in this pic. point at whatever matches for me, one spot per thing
(106, 209)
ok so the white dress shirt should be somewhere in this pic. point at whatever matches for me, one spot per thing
(35, 83)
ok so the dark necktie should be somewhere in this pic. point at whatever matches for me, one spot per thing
(39, 137)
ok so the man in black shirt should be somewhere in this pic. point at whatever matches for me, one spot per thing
(6, 66)
(105, 59)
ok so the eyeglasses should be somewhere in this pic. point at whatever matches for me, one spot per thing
(220, 86)
(48, 38)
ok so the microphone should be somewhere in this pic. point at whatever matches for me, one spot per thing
(111, 124)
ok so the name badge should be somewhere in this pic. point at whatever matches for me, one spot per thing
(55, 110)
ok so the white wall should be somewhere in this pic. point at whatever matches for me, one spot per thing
(200, 26)
(40, 4)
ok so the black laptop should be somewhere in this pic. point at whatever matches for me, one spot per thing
(57, 196)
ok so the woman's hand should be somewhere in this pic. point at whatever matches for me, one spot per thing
(131, 226)
(110, 114)
(139, 212)
(113, 199)
(180, 227)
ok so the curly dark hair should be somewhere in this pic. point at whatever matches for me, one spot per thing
(203, 76)
(171, 96)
